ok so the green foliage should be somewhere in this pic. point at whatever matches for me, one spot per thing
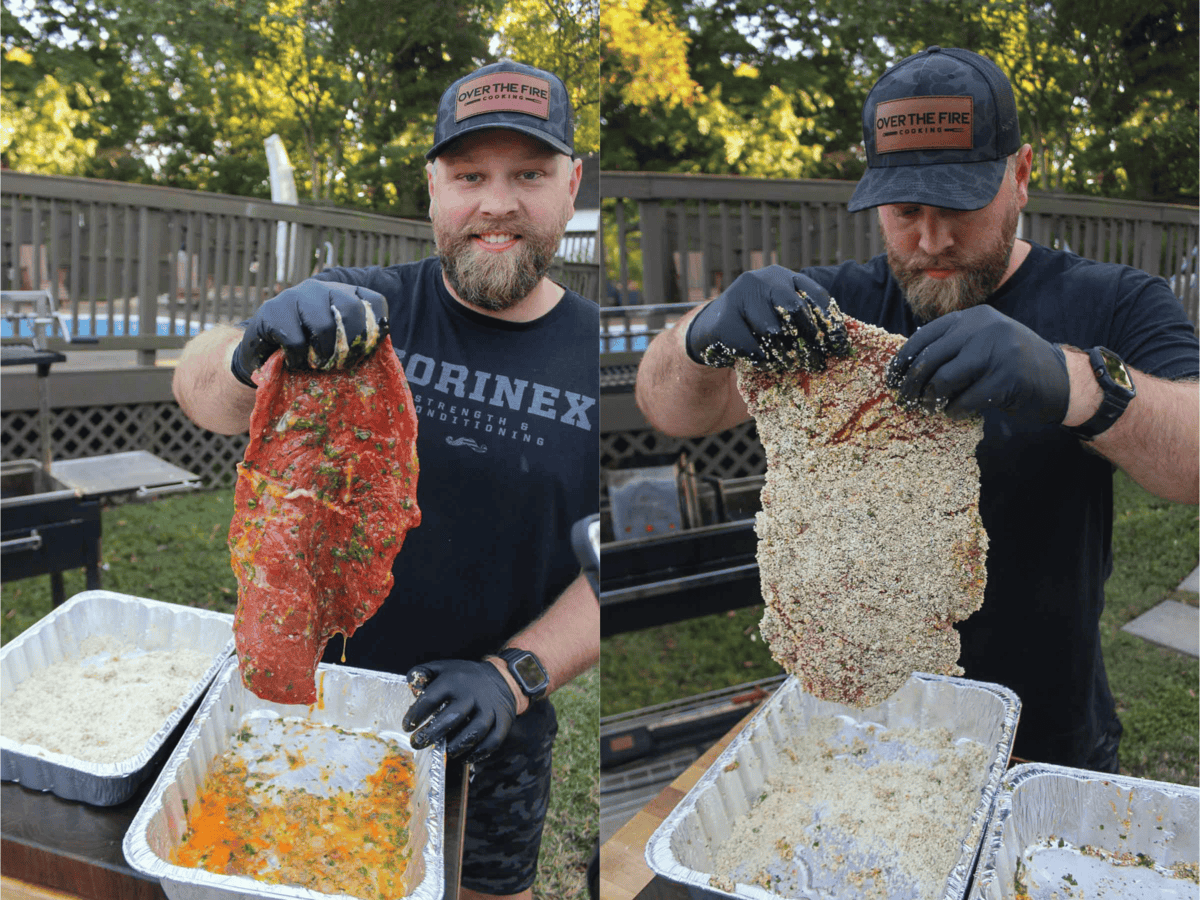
(1107, 94)
(563, 37)
(41, 131)
(184, 92)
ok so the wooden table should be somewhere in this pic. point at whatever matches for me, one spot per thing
(53, 845)
(624, 874)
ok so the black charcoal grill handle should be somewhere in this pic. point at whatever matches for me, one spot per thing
(674, 585)
(22, 545)
(159, 491)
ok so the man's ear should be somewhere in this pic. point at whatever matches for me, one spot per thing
(576, 177)
(1023, 172)
(430, 168)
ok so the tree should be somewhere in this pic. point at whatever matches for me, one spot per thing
(1107, 94)
(184, 92)
(563, 37)
(40, 133)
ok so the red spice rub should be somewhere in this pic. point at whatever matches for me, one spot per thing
(324, 498)
(870, 542)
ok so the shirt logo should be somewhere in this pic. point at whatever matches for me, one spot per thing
(925, 123)
(466, 442)
(503, 92)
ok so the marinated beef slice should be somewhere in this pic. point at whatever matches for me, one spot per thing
(870, 545)
(325, 495)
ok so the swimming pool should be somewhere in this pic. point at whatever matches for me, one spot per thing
(163, 328)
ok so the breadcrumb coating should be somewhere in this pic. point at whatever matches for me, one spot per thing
(870, 544)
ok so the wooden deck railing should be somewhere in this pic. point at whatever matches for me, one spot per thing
(116, 255)
(680, 239)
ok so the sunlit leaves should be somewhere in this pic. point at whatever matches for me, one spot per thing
(37, 126)
(560, 36)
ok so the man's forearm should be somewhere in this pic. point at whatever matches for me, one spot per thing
(1157, 439)
(680, 397)
(566, 638)
(206, 389)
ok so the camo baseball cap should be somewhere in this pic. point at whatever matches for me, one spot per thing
(507, 94)
(938, 127)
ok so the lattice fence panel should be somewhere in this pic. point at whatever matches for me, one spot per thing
(160, 428)
(736, 453)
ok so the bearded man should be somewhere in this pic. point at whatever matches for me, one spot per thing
(489, 610)
(1076, 367)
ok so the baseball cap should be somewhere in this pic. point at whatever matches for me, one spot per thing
(938, 127)
(506, 94)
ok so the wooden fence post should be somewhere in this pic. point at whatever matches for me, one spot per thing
(149, 224)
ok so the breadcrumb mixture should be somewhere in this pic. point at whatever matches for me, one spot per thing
(103, 704)
(870, 545)
(858, 812)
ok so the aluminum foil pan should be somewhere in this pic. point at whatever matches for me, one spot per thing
(683, 848)
(1142, 838)
(147, 624)
(354, 700)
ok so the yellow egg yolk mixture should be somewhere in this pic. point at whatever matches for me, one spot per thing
(352, 843)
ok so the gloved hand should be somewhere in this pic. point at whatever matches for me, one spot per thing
(319, 325)
(774, 318)
(468, 703)
(978, 358)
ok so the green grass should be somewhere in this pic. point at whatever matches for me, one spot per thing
(642, 668)
(1154, 548)
(573, 820)
(1155, 545)
(173, 549)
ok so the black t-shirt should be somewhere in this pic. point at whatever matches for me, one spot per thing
(1046, 501)
(508, 445)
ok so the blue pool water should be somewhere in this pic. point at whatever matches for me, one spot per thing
(84, 328)
(622, 344)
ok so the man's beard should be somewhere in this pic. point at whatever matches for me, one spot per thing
(498, 281)
(974, 281)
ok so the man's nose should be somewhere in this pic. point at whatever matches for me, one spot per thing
(499, 199)
(935, 234)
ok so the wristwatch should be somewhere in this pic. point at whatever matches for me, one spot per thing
(1118, 390)
(528, 671)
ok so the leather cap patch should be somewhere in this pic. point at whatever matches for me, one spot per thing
(503, 92)
(924, 123)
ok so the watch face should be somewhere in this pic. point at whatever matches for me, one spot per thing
(1116, 371)
(531, 673)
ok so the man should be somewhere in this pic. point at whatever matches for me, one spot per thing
(998, 326)
(503, 365)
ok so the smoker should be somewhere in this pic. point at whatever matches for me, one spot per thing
(676, 545)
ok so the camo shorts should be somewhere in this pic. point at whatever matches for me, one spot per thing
(506, 806)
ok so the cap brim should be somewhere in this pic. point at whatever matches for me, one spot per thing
(963, 186)
(556, 145)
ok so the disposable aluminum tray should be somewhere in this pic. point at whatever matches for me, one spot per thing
(354, 700)
(1136, 830)
(146, 624)
(682, 849)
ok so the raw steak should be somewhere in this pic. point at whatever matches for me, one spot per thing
(324, 498)
(870, 545)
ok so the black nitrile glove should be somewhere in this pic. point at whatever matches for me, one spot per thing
(468, 703)
(976, 359)
(774, 318)
(319, 325)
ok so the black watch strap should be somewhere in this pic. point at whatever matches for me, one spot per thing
(528, 672)
(1117, 389)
